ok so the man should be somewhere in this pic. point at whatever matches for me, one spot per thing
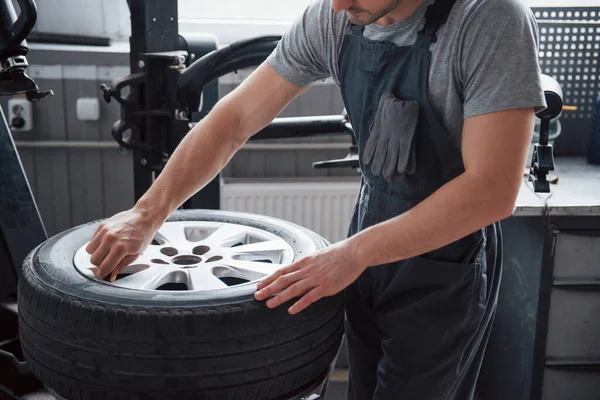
(442, 102)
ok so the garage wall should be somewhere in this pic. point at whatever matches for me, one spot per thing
(111, 17)
(74, 186)
(79, 185)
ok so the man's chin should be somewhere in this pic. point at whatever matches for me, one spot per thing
(355, 19)
(360, 19)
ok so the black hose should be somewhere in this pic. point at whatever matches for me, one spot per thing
(251, 42)
(209, 64)
(247, 61)
(194, 75)
(257, 52)
(256, 48)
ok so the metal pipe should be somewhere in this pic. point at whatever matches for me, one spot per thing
(56, 144)
(296, 146)
(282, 128)
(299, 127)
(90, 145)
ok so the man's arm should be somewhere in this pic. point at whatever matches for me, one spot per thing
(494, 154)
(205, 151)
(494, 151)
(296, 63)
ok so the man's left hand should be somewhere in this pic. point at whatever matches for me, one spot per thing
(322, 274)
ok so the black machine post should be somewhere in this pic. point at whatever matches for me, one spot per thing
(153, 30)
(543, 158)
(154, 120)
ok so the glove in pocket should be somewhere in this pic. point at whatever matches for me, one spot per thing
(390, 148)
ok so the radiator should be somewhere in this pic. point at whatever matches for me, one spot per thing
(323, 207)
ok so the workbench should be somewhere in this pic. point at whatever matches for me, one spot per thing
(545, 343)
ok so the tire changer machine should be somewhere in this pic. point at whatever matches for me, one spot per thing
(172, 86)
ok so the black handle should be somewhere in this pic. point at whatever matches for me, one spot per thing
(591, 364)
(350, 161)
(115, 89)
(22, 26)
(119, 129)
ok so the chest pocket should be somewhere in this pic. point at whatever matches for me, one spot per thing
(390, 148)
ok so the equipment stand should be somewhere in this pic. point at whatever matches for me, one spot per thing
(21, 227)
(154, 42)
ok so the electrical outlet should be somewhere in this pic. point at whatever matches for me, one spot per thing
(20, 115)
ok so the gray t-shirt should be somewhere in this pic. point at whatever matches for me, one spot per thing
(485, 59)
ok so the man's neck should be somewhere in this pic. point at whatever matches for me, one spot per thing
(403, 10)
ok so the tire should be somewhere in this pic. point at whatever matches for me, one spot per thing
(90, 340)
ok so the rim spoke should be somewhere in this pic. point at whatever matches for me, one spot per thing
(271, 247)
(203, 279)
(253, 266)
(174, 234)
(227, 235)
(150, 278)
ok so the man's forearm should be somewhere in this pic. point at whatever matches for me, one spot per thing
(454, 211)
(197, 160)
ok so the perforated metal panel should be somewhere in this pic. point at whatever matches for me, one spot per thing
(589, 14)
(570, 53)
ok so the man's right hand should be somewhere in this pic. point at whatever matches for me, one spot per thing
(119, 241)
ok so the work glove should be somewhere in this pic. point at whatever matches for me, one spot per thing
(391, 144)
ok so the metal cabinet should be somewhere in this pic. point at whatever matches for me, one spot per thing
(546, 338)
(572, 354)
(573, 325)
(577, 256)
(564, 384)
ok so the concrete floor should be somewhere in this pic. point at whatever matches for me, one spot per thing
(335, 391)
(337, 385)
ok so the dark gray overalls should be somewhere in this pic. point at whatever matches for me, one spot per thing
(416, 329)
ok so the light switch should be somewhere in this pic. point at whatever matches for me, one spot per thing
(88, 109)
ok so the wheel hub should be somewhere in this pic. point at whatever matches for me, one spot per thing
(200, 256)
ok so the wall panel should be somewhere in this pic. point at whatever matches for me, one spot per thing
(85, 174)
(51, 165)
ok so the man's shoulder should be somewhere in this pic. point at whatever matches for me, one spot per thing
(307, 51)
(335, 22)
(482, 11)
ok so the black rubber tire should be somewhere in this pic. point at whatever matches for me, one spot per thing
(88, 340)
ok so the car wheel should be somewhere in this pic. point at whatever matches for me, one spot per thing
(180, 322)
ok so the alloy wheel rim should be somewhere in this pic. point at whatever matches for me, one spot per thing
(199, 256)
